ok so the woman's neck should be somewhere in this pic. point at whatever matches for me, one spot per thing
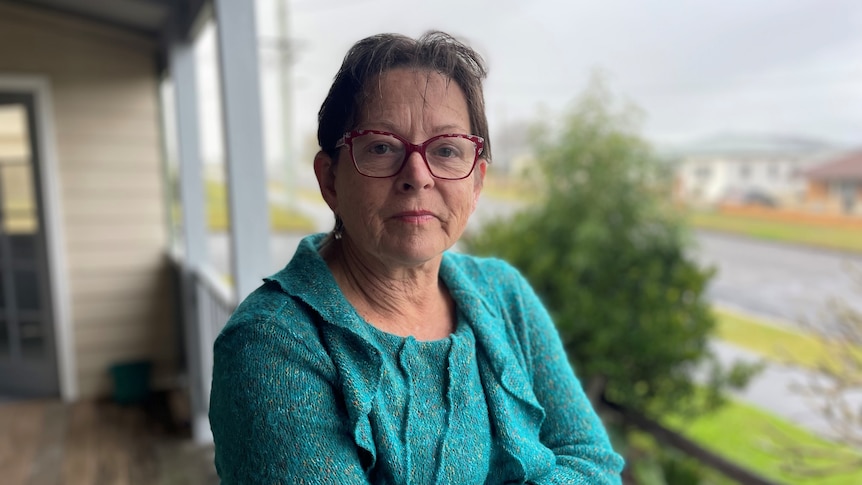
(403, 301)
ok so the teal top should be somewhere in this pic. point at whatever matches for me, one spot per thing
(305, 391)
(419, 398)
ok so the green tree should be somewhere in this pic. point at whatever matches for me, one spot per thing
(607, 255)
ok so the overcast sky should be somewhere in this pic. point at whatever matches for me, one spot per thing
(696, 68)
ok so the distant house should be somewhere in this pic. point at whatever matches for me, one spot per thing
(836, 185)
(95, 98)
(746, 168)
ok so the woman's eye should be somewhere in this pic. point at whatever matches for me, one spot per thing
(446, 152)
(380, 149)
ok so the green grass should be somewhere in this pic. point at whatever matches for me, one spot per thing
(750, 436)
(762, 443)
(783, 344)
(771, 341)
(825, 236)
(280, 218)
(508, 189)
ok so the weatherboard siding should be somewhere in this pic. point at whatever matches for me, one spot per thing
(104, 90)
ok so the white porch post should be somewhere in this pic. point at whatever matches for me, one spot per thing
(189, 150)
(241, 101)
(197, 336)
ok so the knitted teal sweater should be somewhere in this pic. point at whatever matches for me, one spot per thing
(305, 391)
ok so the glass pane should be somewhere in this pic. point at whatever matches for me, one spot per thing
(32, 341)
(18, 197)
(5, 350)
(27, 290)
(23, 247)
(14, 136)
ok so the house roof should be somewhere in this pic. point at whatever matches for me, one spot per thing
(162, 21)
(154, 18)
(753, 145)
(844, 167)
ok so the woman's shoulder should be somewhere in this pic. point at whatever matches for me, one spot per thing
(481, 265)
(290, 301)
(499, 285)
(271, 313)
(485, 271)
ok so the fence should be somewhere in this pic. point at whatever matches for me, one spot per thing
(793, 216)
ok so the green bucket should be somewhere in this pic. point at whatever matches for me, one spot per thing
(131, 381)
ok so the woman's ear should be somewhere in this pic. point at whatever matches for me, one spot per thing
(324, 170)
(479, 180)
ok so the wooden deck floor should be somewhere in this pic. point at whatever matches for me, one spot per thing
(98, 443)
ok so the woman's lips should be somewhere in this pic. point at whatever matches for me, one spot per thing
(416, 217)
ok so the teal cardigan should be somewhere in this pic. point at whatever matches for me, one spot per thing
(298, 388)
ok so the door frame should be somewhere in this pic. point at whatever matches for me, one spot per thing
(40, 88)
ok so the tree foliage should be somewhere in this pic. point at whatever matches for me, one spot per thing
(608, 257)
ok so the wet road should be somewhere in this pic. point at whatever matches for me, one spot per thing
(784, 282)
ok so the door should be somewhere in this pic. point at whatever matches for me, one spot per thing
(28, 360)
(847, 189)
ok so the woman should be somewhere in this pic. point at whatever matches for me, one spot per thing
(376, 356)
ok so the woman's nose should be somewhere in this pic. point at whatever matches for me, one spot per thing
(415, 173)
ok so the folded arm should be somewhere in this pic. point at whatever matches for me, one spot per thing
(572, 429)
(275, 414)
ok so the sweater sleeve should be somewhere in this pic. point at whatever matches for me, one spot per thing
(275, 413)
(572, 429)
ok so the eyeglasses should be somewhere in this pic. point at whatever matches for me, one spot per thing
(380, 154)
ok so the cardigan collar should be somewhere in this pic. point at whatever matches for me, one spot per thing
(515, 414)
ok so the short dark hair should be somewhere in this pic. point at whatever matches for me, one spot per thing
(371, 57)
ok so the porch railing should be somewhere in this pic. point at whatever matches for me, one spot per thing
(206, 301)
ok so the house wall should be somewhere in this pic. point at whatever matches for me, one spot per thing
(104, 89)
(711, 179)
(817, 191)
(701, 180)
(835, 197)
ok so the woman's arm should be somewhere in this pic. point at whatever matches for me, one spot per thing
(572, 429)
(275, 415)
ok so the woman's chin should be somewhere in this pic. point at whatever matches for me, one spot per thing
(413, 253)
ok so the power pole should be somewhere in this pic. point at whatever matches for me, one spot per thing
(285, 60)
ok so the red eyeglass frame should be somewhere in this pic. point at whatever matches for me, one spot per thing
(347, 140)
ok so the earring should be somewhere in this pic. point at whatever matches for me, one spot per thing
(338, 230)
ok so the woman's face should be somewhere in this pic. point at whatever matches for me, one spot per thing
(410, 218)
